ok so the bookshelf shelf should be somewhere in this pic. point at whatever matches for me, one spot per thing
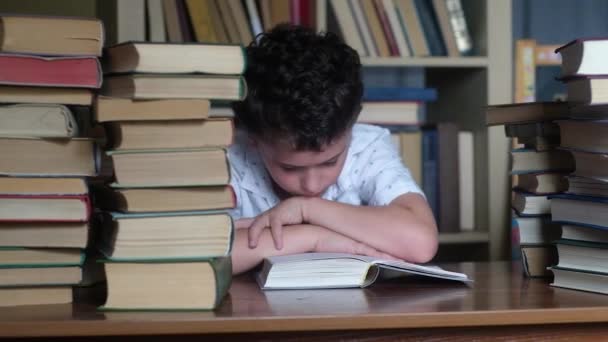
(427, 62)
(463, 238)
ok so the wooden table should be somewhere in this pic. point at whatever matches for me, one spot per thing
(501, 302)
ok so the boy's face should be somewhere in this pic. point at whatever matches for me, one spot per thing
(304, 173)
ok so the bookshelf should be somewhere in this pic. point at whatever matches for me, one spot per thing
(465, 85)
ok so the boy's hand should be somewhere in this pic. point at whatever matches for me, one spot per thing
(329, 241)
(288, 212)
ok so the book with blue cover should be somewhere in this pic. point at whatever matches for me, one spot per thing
(580, 210)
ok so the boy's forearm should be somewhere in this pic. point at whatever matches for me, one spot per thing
(390, 229)
(297, 239)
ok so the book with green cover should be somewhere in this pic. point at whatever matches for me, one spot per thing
(166, 235)
(189, 284)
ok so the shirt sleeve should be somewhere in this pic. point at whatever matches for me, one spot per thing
(235, 182)
(384, 177)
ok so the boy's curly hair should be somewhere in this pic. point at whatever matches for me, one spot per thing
(302, 86)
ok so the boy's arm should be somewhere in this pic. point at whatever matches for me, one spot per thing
(405, 228)
(299, 238)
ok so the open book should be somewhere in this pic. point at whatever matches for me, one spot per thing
(335, 270)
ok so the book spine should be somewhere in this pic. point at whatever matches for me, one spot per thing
(223, 277)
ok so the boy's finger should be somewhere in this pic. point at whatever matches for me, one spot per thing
(276, 229)
(255, 230)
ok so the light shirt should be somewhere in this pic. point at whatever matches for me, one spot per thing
(373, 174)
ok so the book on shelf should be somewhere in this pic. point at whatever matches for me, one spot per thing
(582, 255)
(391, 113)
(172, 24)
(175, 86)
(579, 210)
(526, 112)
(125, 20)
(38, 120)
(430, 27)
(453, 24)
(584, 135)
(51, 257)
(526, 204)
(537, 230)
(541, 183)
(466, 180)
(539, 143)
(170, 285)
(169, 134)
(155, 20)
(591, 165)
(172, 58)
(238, 12)
(578, 280)
(449, 177)
(347, 25)
(166, 168)
(396, 27)
(375, 28)
(371, 94)
(587, 186)
(165, 235)
(64, 208)
(166, 199)
(583, 233)
(530, 161)
(35, 295)
(25, 70)
(255, 21)
(412, 24)
(40, 275)
(200, 17)
(66, 96)
(587, 90)
(336, 270)
(42, 186)
(45, 234)
(365, 31)
(534, 129)
(121, 109)
(584, 57)
(391, 39)
(44, 157)
(536, 259)
(411, 153)
(47, 35)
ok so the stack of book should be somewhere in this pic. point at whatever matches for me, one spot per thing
(46, 64)
(539, 171)
(583, 209)
(166, 235)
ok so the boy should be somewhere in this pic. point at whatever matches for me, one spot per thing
(306, 177)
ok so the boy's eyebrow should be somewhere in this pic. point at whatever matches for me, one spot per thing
(321, 163)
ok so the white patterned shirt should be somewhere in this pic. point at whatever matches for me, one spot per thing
(373, 174)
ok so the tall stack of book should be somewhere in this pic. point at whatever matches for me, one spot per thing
(46, 65)
(583, 209)
(539, 171)
(166, 235)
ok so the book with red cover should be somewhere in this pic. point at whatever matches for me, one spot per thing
(386, 27)
(76, 72)
(45, 208)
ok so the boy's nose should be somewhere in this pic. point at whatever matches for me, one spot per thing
(311, 185)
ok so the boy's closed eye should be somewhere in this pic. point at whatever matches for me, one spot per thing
(328, 163)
